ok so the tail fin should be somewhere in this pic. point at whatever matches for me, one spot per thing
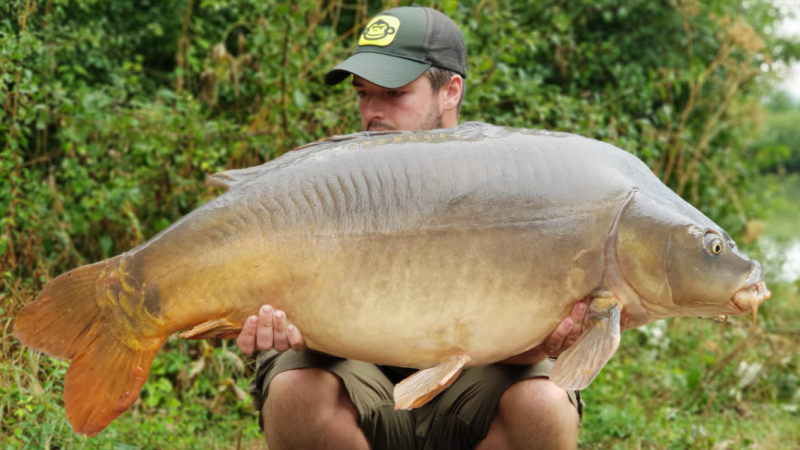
(67, 321)
(104, 381)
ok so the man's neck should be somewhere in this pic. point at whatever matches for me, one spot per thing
(449, 120)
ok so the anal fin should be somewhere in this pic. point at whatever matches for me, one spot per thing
(213, 328)
(579, 365)
(424, 385)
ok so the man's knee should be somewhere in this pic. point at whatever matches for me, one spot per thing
(542, 399)
(540, 390)
(534, 414)
(299, 382)
(306, 391)
(310, 408)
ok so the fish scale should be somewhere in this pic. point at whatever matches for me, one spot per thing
(434, 250)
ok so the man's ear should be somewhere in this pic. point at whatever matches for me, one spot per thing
(451, 93)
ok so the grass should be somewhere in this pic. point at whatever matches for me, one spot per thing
(687, 383)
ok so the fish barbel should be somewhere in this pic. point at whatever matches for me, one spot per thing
(433, 250)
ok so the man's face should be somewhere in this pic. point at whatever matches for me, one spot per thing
(410, 107)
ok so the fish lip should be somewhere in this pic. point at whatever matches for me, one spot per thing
(755, 291)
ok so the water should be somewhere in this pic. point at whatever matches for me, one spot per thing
(781, 238)
(791, 267)
(785, 258)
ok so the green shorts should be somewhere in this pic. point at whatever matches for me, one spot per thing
(458, 418)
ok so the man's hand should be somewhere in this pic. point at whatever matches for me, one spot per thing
(270, 329)
(565, 334)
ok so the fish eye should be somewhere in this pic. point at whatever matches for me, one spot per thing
(713, 244)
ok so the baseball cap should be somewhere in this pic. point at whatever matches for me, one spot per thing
(399, 44)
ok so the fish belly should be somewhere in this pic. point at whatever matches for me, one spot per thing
(411, 298)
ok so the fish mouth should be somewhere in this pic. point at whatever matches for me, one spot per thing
(747, 299)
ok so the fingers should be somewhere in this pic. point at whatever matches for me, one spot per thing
(279, 324)
(285, 335)
(578, 316)
(270, 329)
(264, 333)
(553, 344)
(247, 338)
(567, 331)
(296, 340)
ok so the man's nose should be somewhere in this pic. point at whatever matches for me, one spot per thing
(373, 108)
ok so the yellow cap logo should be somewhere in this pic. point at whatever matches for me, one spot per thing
(380, 31)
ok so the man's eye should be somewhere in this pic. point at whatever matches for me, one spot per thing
(361, 94)
(395, 93)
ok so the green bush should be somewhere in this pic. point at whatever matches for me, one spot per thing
(778, 147)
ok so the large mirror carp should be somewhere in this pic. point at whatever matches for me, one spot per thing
(433, 250)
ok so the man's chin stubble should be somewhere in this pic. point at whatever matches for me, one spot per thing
(434, 119)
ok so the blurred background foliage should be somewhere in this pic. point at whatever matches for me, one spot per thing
(113, 113)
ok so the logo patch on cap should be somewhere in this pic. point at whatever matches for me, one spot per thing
(380, 31)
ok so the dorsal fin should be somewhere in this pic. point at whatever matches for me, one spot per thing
(231, 178)
(235, 177)
(348, 137)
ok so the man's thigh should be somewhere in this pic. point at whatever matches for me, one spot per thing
(369, 390)
(461, 416)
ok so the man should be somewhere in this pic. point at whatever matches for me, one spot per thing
(408, 71)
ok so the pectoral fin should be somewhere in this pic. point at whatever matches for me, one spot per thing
(213, 328)
(424, 385)
(580, 364)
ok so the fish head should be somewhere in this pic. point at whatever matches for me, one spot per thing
(680, 263)
(709, 275)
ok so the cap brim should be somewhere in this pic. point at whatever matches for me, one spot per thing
(384, 70)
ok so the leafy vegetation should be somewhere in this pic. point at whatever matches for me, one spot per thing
(778, 147)
(113, 113)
